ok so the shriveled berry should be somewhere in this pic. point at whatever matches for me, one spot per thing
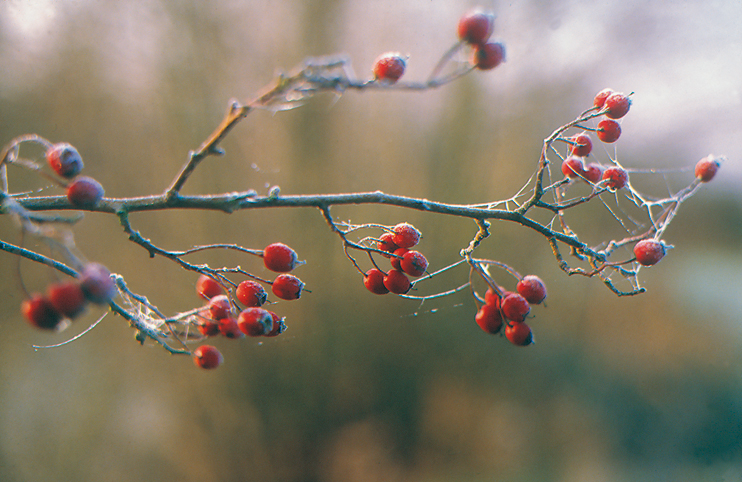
(489, 55)
(255, 322)
(389, 67)
(397, 282)
(706, 168)
(208, 327)
(572, 167)
(96, 283)
(207, 287)
(373, 280)
(489, 318)
(532, 289)
(601, 96)
(64, 160)
(287, 287)
(617, 105)
(207, 356)
(251, 293)
(593, 173)
(220, 307)
(649, 252)
(84, 192)
(386, 243)
(414, 263)
(67, 298)
(40, 312)
(581, 144)
(279, 258)
(229, 328)
(608, 131)
(615, 177)
(476, 26)
(279, 326)
(515, 307)
(396, 260)
(519, 334)
(405, 235)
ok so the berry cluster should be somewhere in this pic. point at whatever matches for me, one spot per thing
(404, 261)
(475, 29)
(83, 191)
(65, 300)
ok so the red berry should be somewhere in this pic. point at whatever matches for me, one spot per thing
(532, 289)
(582, 145)
(219, 307)
(492, 298)
(67, 298)
(96, 284)
(476, 26)
(601, 97)
(706, 168)
(572, 167)
(389, 67)
(615, 177)
(278, 325)
(251, 293)
(515, 307)
(255, 322)
(608, 131)
(64, 160)
(489, 318)
(395, 260)
(519, 334)
(414, 263)
(593, 173)
(649, 252)
(489, 55)
(207, 287)
(287, 287)
(279, 258)
(229, 328)
(40, 312)
(385, 243)
(397, 282)
(373, 280)
(617, 105)
(206, 356)
(84, 192)
(405, 235)
(208, 327)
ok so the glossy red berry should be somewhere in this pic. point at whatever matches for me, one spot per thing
(219, 307)
(84, 192)
(649, 252)
(615, 177)
(492, 298)
(405, 235)
(397, 282)
(515, 307)
(229, 328)
(40, 312)
(489, 318)
(255, 322)
(414, 263)
(207, 356)
(532, 289)
(593, 173)
(608, 131)
(64, 160)
(278, 325)
(476, 26)
(287, 287)
(385, 243)
(389, 67)
(67, 298)
(706, 168)
(519, 334)
(617, 105)
(489, 55)
(279, 258)
(207, 287)
(572, 167)
(600, 98)
(251, 293)
(396, 260)
(96, 283)
(581, 145)
(373, 280)
(208, 327)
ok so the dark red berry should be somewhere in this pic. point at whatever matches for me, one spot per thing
(39, 312)
(476, 26)
(279, 258)
(593, 173)
(649, 252)
(278, 325)
(532, 289)
(492, 298)
(608, 131)
(615, 177)
(389, 67)
(255, 322)
(64, 160)
(219, 307)
(515, 307)
(84, 192)
(572, 167)
(396, 260)
(489, 55)
(96, 284)
(617, 105)
(582, 145)
(385, 243)
(519, 334)
(397, 282)
(67, 298)
(208, 357)
(229, 328)
(287, 287)
(373, 280)
(706, 168)
(489, 318)
(251, 293)
(414, 263)
(207, 287)
(405, 235)
(208, 327)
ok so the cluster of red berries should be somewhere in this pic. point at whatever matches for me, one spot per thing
(405, 261)
(83, 191)
(220, 316)
(510, 309)
(67, 299)
(613, 105)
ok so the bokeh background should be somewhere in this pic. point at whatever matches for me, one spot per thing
(366, 388)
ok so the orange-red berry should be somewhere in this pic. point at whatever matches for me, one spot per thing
(373, 280)
(573, 167)
(519, 334)
(287, 287)
(67, 298)
(251, 293)
(386, 243)
(601, 96)
(396, 260)
(389, 67)
(397, 282)
(581, 144)
(229, 328)
(649, 252)
(207, 356)
(279, 326)
(706, 168)
(84, 192)
(220, 307)
(489, 55)
(475, 27)
(255, 321)
(615, 177)
(532, 289)
(40, 312)
(489, 318)
(617, 105)
(208, 327)
(405, 235)
(608, 131)
(64, 160)
(515, 307)
(413, 263)
(207, 287)
(279, 258)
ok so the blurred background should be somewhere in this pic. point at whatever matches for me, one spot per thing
(366, 388)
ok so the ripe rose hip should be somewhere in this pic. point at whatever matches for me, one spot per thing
(608, 131)
(476, 26)
(96, 283)
(489, 55)
(489, 318)
(64, 160)
(84, 192)
(649, 252)
(706, 168)
(208, 357)
(397, 282)
(405, 235)
(615, 177)
(532, 289)
(593, 173)
(287, 287)
(219, 307)
(617, 105)
(414, 263)
(207, 287)
(251, 293)
(67, 298)
(279, 258)
(572, 167)
(255, 322)
(373, 280)
(229, 328)
(39, 312)
(389, 67)
(601, 97)
(582, 145)
(515, 307)
(519, 334)
(385, 243)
